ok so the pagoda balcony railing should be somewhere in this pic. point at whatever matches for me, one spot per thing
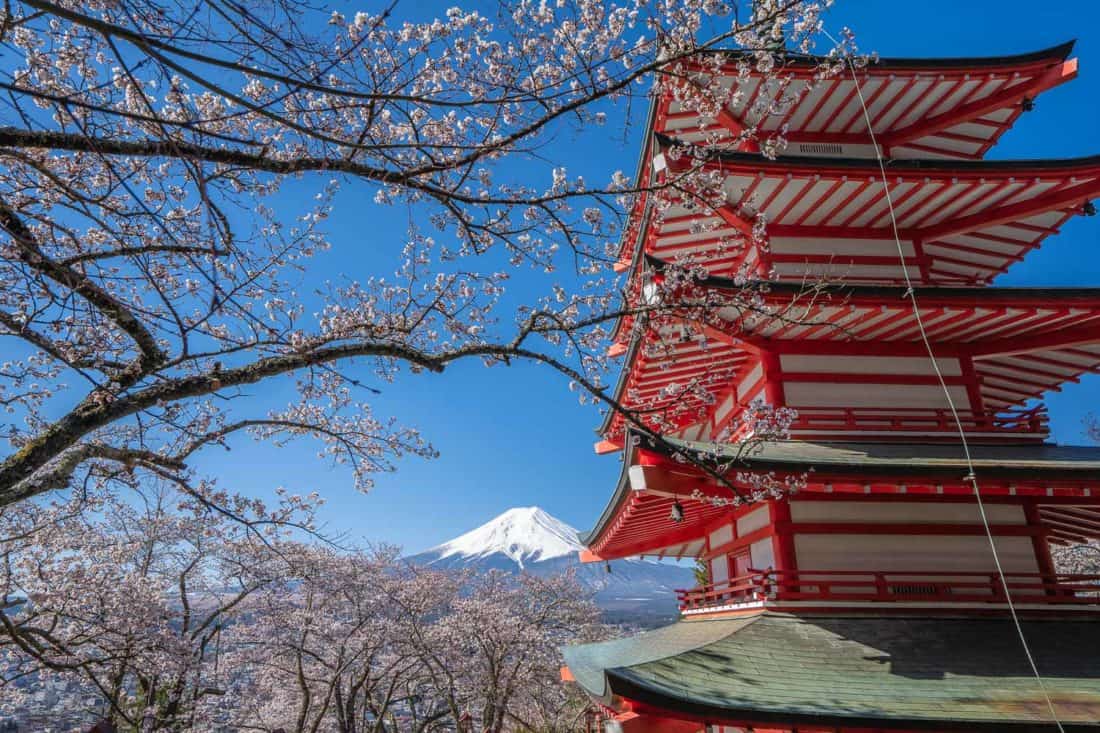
(859, 586)
(1011, 423)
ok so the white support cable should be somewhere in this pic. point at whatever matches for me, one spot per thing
(971, 476)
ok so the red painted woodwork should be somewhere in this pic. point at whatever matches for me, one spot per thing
(779, 514)
(902, 423)
(956, 224)
(868, 586)
(631, 722)
(1069, 511)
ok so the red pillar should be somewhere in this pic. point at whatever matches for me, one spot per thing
(1043, 559)
(779, 511)
(773, 379)
(786, 561)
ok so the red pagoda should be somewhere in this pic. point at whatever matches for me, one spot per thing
(870, 599)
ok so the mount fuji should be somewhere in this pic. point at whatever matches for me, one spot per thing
(527, 539)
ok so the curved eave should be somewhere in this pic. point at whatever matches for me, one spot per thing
(993, 322)
(900, 460)
(630, 236)
(631, 269)
(937, 141)
(631, 509)
(611, 509)
(876, 293)
(620, 386)
(865, 463)
(869, 166)
(973, 219)
(1059, 52)
(641, 260)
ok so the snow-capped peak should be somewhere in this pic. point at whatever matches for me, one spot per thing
(524, 534)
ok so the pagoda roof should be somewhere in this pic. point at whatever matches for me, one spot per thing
(710, 364)
(1025, 341)
(875, 293)
(739, 158)
(872, 292)
(951, 107)
(933, 460)
(635, 519)
(958, 221)
(896, 63)
(896, 673)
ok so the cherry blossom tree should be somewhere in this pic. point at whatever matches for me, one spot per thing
(153, 265)
(1084, 557)
(494, 659)
(168, 615)
(367, 644)
(328, 652)
(129, 601)
(1079, 559)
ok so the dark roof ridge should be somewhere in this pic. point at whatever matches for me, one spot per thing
(871, 164)
(889, 291)
(1060, 51)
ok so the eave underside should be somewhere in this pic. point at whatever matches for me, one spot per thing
(955, 108)
(946, 108)
(958, 223)
(1022, 342)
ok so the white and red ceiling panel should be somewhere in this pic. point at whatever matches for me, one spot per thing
(918, 108)
(956, 223)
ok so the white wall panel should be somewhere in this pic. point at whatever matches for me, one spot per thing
(806, 394)
(762, 555)
(826, 246)
(721, 536)
(719, 569)
(904, 511)
(938, 553)
(752, 521)
(833, 364)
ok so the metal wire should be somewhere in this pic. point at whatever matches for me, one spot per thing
(971, 476)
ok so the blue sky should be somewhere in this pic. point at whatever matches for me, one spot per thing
(517, 436)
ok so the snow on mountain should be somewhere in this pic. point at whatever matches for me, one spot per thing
(527, 539)
(523, 534)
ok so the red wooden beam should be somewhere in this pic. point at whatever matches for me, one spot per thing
(815, 207)
(795, 103)
(826, 94)
(965, 112)
(845, 202)
(1058, 339)
(888, 107)
(997, 192)
(604, 447)
(868, 101)
(878, 197)
(732, 218)
(949, 92)
(921, 97)
(908, 204)
(796, 198)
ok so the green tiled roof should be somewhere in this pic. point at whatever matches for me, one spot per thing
(1022, 461)
(929, 460)
(907, 673)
